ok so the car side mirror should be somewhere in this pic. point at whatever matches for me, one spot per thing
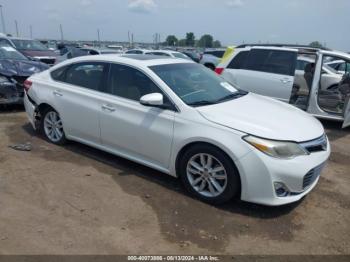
(154, 99)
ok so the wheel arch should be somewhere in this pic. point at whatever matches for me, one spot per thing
(40, 110)
(194, 143)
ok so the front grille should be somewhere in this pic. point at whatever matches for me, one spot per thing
(309, 178)
(316, 145)
(312, 175)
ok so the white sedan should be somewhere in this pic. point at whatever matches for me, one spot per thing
(179, 117)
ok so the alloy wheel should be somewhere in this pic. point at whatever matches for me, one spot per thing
(53, 126)
(207, 175)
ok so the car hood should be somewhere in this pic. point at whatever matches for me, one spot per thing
(10, 67)
(264, 117)
(39, 53)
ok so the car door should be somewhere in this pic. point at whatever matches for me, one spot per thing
(268, 72)
(133, 130)
(76, 99)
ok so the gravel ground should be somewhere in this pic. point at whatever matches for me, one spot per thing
(78, 200)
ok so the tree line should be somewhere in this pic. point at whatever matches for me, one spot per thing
(191, 41)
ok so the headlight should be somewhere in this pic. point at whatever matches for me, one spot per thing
(278, 149)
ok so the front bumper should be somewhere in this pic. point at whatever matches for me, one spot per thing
(10, 94)
(259, 172)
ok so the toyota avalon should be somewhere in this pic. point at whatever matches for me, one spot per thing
(181, 118)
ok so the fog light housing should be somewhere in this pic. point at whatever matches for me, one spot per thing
(281, 189)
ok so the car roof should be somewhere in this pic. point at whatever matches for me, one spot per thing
(300, 48)
(133, 60)
(163, 51)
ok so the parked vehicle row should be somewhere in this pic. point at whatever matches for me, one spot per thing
(181, 118)
(32, 49)
(165, 53)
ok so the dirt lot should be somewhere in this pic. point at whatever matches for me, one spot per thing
(78, 200)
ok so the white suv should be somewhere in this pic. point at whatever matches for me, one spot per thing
(271, 71)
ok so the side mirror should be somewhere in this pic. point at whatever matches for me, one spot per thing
(154, 99)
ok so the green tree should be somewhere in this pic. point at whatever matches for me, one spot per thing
(190, 39)
(316, 44)
(216, 44)
(171, 40)
(206, 41)
(182, 42)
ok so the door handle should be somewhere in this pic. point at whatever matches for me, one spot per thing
(108, 108)
(57, 93)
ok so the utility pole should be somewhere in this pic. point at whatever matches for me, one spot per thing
(61, 31)
(132, 39)
(17, 32)
(2, 21)
(31, 31)
(98, 37)
(129, 38)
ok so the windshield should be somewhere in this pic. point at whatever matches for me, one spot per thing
(195, 84)
(8, 52)
(29, 45)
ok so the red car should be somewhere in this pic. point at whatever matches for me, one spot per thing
(34, 49)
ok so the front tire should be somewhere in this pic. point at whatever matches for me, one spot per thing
(209, 174)
(52, 127)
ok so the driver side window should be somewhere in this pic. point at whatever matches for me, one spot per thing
(130, 83)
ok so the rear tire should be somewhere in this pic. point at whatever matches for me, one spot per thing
(209, 174)
(52, 127)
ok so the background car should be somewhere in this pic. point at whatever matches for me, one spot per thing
(330, 78)
(34, 49)
(99, 51)
(270, 70)
(340, 65)
(15, 68)
(136, 51)
(167, 53)
(211, 58)
(68, 52)
(195, 56)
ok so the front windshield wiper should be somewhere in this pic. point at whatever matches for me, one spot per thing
(202, 103)
(232, 96)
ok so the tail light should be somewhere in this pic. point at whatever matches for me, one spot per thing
(27, 85)
(219, 70)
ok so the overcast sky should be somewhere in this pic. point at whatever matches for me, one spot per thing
(230, 21)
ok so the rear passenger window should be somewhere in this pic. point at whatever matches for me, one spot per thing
(88, 75)
(272, 61)
(59, 73)
(239, 60)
